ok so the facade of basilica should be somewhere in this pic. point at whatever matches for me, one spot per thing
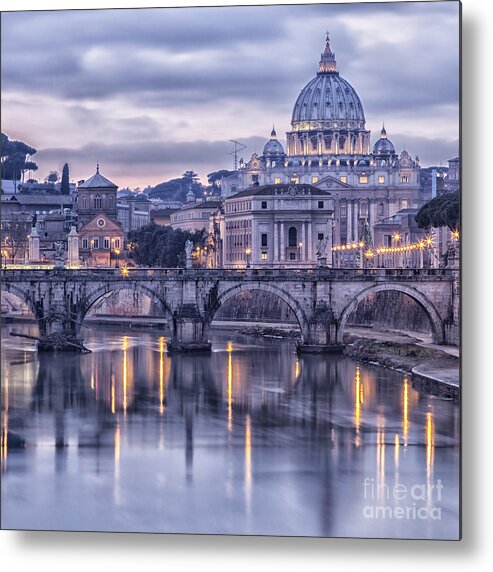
(328, 148)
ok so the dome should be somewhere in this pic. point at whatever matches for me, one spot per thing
(328, 99)
(273, 148)
(383, 146)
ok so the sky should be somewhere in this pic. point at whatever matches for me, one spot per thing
(150, 93)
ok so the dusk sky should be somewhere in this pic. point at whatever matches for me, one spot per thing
(151, 93)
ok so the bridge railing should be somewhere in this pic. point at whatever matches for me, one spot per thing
(310, 274)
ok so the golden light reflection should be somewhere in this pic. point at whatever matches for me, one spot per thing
(297, 369)
(357, 405)
(430, 445)
(125, 374)
(113, 397)
(396, 451)
(405, 411)
(230, 386)
(380, 450)
(248, 460)
(162, 349)
(5, 426)
(117, 450)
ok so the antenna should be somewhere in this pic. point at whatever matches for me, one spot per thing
(238, 147)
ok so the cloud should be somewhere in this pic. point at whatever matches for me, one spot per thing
(185, 81)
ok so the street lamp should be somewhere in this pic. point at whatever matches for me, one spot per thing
(248, 252)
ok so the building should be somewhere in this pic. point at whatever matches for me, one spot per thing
(195, 216)
(101, 234)
(278, 225)
(162, 217)
(133, 212)
(329, 147)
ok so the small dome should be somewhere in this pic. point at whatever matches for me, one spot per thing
(273, 148)
(383, 146)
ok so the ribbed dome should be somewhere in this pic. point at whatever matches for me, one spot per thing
(383, 146)
(273, 148)
(329, 98)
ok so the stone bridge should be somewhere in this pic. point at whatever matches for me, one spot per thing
(321, 299)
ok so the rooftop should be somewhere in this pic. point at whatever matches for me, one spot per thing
(282, 189)
(97, 181)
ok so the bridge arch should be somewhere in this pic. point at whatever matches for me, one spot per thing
(436, 322)
(93, 296)
(23, 295)
(226, 295)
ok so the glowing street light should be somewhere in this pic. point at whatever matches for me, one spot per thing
(248, 252)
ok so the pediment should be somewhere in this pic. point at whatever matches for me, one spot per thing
(96, 224)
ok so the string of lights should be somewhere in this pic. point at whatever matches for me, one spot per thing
(420, 245)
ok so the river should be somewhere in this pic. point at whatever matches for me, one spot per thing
(251, 439)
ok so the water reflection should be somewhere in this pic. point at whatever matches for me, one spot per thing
(251, 439)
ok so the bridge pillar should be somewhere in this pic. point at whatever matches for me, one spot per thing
(322, 333)
(188, 331)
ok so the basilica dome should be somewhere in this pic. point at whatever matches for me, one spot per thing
(273, 148)
(328, 101)
(383, 146)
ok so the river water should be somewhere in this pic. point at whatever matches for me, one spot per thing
(251, 439)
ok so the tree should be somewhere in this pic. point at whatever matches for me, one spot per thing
(177, 189)
(443, 210)
(15, 159)
(215, 178)
(161, 246)
(14, 234)
(53, 177)
(65, 184)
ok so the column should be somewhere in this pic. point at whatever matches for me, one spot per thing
(73, 248)
(310, 242)
(356, 220)
(275, 254)
(283, 248)
(33, 245)
(349, 219)
(303, 242)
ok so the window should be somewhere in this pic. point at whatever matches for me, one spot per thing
(404, 178)
(295, 180)
(85, 243)
(314, 180)
(403, 204)
(277, 181)
(264, 204)
(95, 243)
(263, 239)
(233, 189)
(292, 256)
(292, 236)
(363, 179)
(387, 240)
(84, 202)
(117, 243)
(264, 256)
(344, 179)
(363, 209)
(380, 209)
(320, 236)
(98, 202)
(255, 178)
(320, 204)
(106, 242)
(381, 179)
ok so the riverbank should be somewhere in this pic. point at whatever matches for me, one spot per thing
(432, 368)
